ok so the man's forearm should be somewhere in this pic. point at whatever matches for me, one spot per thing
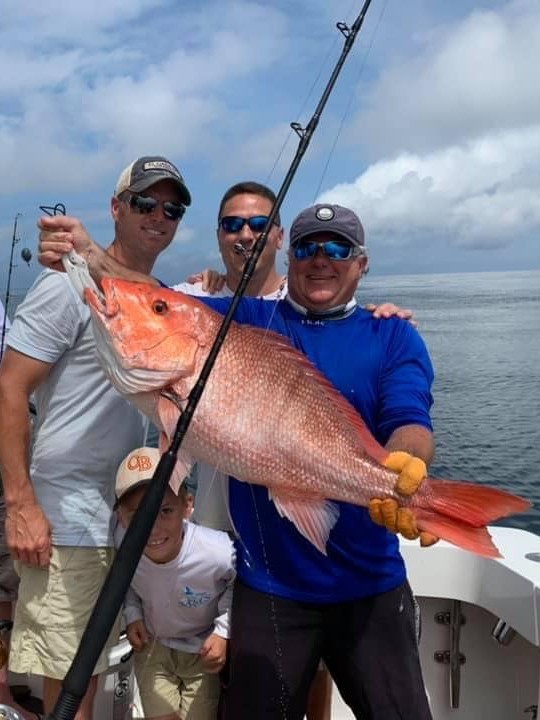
(414, 439)
(15, 434)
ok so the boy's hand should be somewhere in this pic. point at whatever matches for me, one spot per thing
(214, 653)
(137, 634)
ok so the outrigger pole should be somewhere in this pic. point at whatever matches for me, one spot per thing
(116, 584)
(14, 241)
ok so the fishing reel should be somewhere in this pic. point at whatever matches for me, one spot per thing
(8, 713)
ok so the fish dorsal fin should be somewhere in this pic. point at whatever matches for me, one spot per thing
(281, 345)
(314, 519)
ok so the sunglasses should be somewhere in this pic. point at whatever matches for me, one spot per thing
(333, 249)
(145, 205)
(234, 224)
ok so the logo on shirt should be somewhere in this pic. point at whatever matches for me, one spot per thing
(194, 599)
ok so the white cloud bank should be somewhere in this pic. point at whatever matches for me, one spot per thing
(484, 193)
(95, 88)
(459, 125)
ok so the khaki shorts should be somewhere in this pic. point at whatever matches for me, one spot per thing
(53, 608)
(175, 681)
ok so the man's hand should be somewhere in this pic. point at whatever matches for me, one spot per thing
(412, 471)
(387, 310)
(60, 234)
(387, 512)
(28, 534)
(212, 280)
(214, 653)
(137, 634)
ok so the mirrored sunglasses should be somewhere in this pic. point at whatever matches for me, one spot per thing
(145, 205)
(234, 224)
(333, 249)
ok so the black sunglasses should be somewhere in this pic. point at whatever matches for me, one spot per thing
(234, 224)
(145, 205)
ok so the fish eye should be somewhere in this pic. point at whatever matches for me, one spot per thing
(160, 307)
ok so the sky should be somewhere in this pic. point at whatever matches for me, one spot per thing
(432, 133)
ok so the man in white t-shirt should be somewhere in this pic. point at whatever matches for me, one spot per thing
(242, 215)
(59, 505)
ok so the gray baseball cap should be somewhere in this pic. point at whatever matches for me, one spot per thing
(328, 218)
(147, 171)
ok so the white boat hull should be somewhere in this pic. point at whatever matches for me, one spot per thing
(495, 681)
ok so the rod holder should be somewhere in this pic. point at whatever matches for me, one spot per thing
(503, 633)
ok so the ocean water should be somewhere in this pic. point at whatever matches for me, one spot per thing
(483, 334)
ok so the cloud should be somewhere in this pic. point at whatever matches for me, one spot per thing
(463, 80)
(458, 124)
(440, 146)
(481, 194)
(99, 97)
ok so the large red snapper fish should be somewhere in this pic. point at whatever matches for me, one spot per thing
(268, 416)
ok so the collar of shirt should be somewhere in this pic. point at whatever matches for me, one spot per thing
(336, 313)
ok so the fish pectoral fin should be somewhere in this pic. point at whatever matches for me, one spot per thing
(182, 468)
(314, 519)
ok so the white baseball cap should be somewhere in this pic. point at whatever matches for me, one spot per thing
(136, 469)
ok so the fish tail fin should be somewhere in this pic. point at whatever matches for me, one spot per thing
(458, 512)
(473, 504)
(474, 539)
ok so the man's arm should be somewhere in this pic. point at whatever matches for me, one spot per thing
(411, 450)
(416, 440)
(28, 531)
(60, 234)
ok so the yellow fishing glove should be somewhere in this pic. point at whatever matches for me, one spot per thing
(387, 512)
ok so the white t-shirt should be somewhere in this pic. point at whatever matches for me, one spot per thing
(84, 427)
(211, 506)
(187, 599)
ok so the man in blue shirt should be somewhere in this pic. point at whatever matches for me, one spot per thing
(353, 607)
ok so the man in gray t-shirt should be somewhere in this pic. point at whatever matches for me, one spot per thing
(59, 501)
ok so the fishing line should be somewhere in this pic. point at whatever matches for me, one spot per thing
(349, 104)
(119, 577)
(305, 102)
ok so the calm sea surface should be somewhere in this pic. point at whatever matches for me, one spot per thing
(483, 334)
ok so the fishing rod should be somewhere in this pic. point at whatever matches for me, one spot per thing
(118, 579)
(14, 241)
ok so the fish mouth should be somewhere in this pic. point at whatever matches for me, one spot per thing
(103, 303)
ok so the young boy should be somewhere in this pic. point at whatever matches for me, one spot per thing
(177, 609)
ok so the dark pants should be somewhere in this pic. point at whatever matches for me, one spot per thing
(368, 645)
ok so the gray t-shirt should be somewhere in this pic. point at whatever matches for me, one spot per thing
(83, 428)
